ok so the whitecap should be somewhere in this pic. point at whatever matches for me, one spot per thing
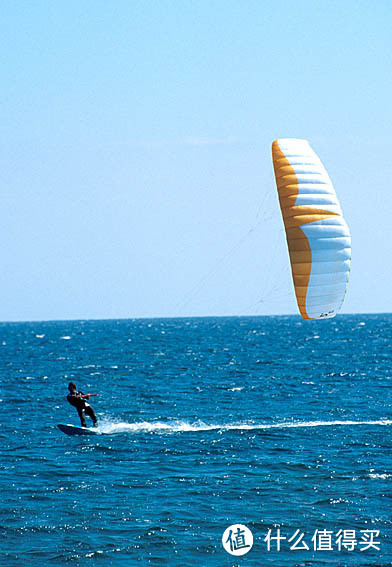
(111, 427)
(380, 475)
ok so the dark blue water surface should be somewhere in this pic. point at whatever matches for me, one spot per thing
(271, 422)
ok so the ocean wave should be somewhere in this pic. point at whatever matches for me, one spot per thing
(109, 427)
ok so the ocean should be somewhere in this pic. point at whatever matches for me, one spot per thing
(274, 423)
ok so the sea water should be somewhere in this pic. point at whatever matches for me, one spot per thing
(275, 423)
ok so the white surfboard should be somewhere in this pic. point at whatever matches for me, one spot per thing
(74, 430)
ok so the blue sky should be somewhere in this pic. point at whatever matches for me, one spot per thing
(136, 152)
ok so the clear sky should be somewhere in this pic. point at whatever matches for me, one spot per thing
(136, 176)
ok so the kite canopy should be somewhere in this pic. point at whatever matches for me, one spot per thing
(317, 235)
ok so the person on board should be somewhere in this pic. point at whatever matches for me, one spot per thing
(78, 400)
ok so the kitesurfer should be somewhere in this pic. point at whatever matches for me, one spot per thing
(78, 400)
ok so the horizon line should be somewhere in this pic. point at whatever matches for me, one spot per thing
(162, 317)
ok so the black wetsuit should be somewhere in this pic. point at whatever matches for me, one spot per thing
(76, 400)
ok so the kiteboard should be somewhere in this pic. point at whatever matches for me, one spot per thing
(74, 430)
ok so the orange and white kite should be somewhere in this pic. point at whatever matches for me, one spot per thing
(318, 237)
